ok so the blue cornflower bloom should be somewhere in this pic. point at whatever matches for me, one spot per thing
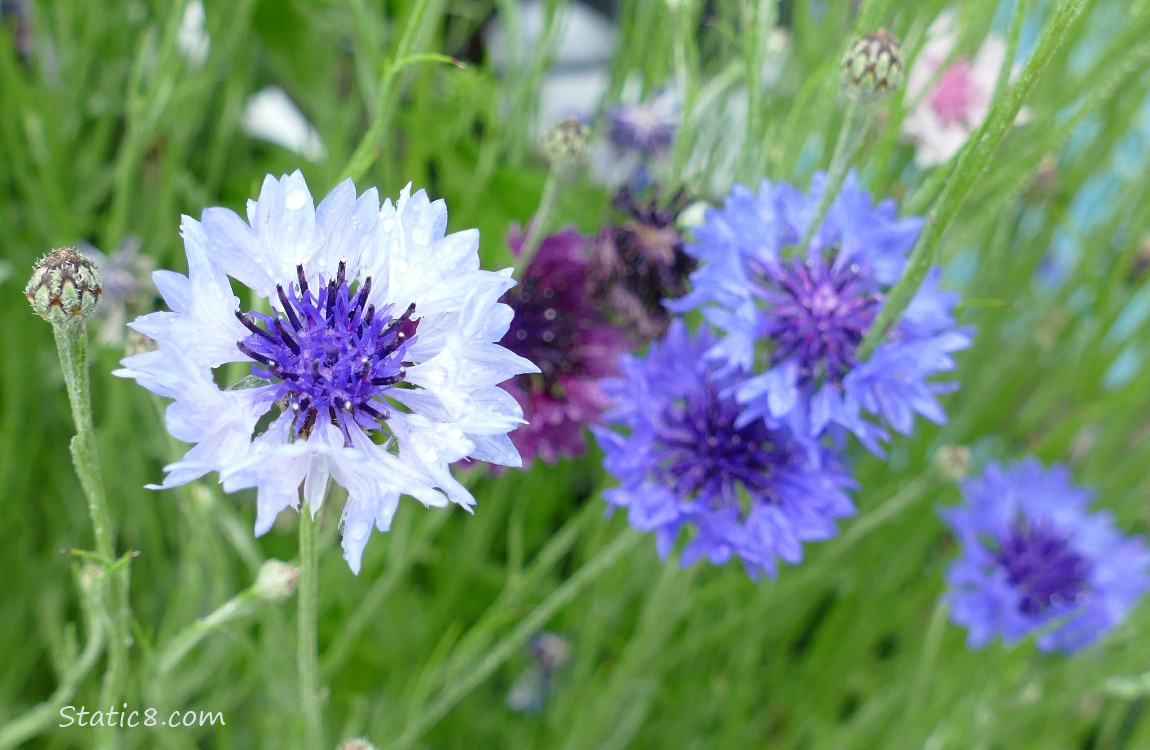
(796, 322)
(1034, 560)
(371, 342)
(749, 490)
(647, 127)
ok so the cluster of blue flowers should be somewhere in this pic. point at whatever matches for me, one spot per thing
(741, 434)
(379, 354)
(739, 430)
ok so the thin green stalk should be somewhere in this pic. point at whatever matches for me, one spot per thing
(687, 73)
(519, 635)
(515, 588)
(307, 649)
(971, 161)
(404, 553)
(850, 136)
(422, 15)
(233, 609)
(759, 19)
(47, 714)
(72, 346)
(868, 523)
(926, 660)
(539, 222)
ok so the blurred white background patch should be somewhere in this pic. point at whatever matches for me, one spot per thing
(192, 41)
(270, 115)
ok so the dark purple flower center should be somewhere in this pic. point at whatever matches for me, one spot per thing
(709, 459)
(334, 356)
(818, 314)
(1043, 567)
(539, 332)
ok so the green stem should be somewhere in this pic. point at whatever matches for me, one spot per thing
(47, 714)
(369, 147)
(868, 523)
(402, 555)
(850, 136)
(538, 222)
(759, 20)
(72, 346)
(307, 652)
(514, 640)
(926, 660)
(238, 606)
(687, 73)
(971, 161)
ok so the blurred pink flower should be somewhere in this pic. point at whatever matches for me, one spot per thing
(949, 105)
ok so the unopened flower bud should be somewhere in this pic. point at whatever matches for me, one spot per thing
(873, 67)
(65, 287)
(952, 462)
(276, 581)
(565, 145)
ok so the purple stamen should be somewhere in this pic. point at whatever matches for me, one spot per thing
(1043, 567)
(333, 354)
(818, 314)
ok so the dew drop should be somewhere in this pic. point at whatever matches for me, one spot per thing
(295, 200)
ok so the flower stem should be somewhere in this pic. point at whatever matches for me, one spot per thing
(538, 222)
(930, 647)
(850, 136)
(72, 346)
(47, 714)
(233, 609)
(514, 640)
(971, 161)
(307, 657)
(686, 70)
(420, 22)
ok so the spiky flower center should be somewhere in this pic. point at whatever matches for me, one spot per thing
(331, 354)
(818, 314)
(1043, 567)
(708, 458)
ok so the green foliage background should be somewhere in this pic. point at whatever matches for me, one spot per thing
(108, 131)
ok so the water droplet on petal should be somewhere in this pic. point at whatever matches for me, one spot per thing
(295, 200)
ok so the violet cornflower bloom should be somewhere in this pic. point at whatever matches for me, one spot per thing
(795, 321)
(648, 126)
(641, 261)
(370, 342)
(682, 459)
(557, 326)
(1034, 560)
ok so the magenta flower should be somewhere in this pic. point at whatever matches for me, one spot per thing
(558, 327)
